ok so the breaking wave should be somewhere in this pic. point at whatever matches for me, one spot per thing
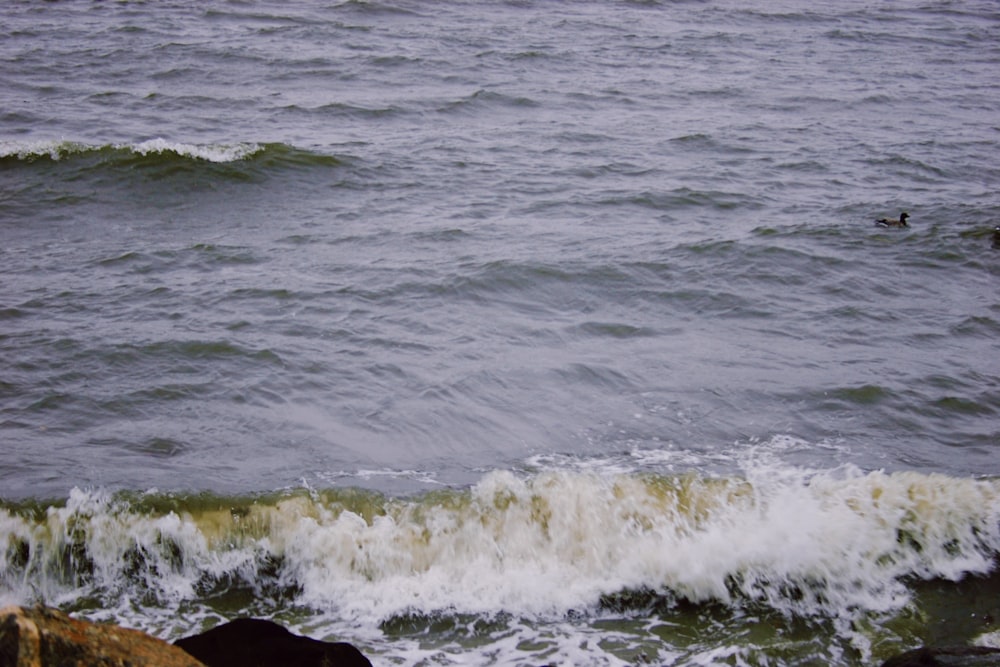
(540, 544)
(160, 157)
(64, 150)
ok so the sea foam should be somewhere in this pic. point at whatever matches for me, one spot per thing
(542, 544)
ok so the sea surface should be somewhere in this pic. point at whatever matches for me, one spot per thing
(506, 333)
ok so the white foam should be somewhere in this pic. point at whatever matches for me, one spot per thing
(59, 149)
(558, 541)
(540, 545)
(210, 153)
(53, 149)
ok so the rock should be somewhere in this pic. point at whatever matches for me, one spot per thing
(43, 637)
(249, 642)
(956, 656)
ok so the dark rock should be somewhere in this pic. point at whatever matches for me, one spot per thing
(250, 642)
(955, 656)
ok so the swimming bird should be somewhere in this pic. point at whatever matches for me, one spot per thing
(996, 237)
(890, 222)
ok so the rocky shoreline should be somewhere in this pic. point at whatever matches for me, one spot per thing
(44, 637)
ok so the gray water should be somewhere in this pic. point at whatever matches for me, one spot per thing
(403, 248)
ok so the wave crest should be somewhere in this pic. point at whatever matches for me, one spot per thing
(541, 544)
(60, 150)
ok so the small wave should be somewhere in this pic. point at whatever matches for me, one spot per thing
(217, 153)
(61, 150)
(867, 394)
(686, 198)
(159, 158)
(490, 99)
(335, 110)
(613, 330)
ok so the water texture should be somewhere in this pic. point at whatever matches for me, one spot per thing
(505, 333)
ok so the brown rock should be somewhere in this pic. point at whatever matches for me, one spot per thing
(43, 637)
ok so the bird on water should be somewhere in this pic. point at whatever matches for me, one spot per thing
(996, 237)
(891, 222)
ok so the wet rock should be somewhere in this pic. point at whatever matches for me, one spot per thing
(248, 642)
(43, 637)
(955, 656)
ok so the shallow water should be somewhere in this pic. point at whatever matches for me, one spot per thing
(427, 280)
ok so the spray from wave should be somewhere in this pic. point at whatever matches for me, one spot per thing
(541, 544)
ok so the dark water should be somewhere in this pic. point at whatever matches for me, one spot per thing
(505, 333)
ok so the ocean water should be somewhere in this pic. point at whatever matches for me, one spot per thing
(506, 333)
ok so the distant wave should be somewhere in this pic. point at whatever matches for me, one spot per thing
(162, 154)
(63, 150)
(547, 542)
